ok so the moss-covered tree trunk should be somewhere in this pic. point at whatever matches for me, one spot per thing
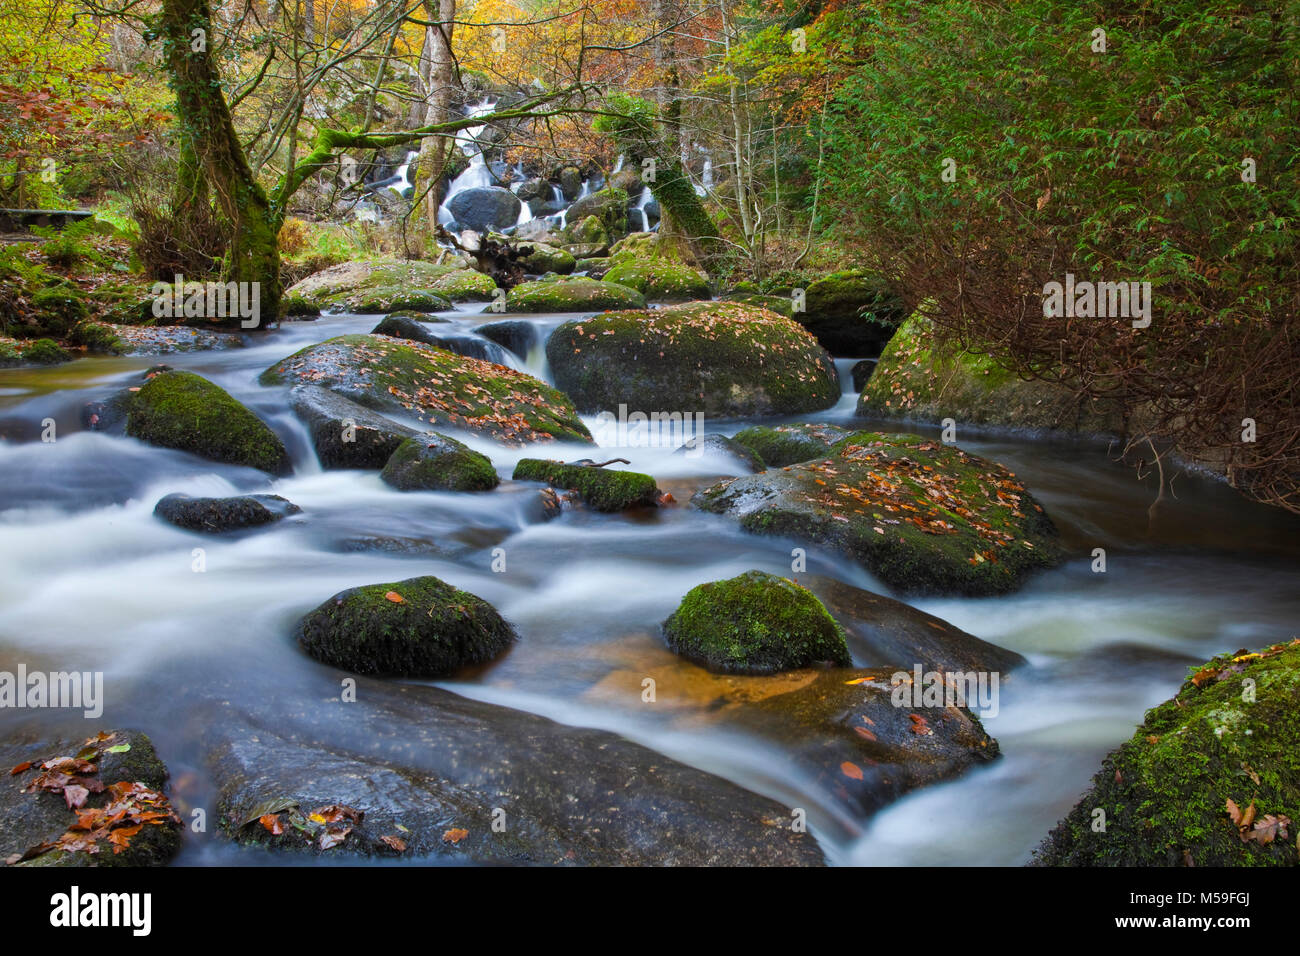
(434, 150)
(253, 256)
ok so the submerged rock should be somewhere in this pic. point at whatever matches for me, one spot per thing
(345, 434)
(922, 516)
(566, 795)
(755, 623)
(168, 339)
(661, 280)
(435, 462)
(715, 358)
(114, 767)
(721, 445)
(1230, 738)
(600, 488)
(572, 295)
(184, 411)
(783, 445)
(401, 325)
(515, 335)
(420, 627)
(224, 514)
(413, 379)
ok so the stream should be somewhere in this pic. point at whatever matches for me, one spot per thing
(91, 580)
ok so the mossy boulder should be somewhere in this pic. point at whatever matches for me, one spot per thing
(544, 258)
(641, 245)
(717, 358)
(296, 307)
(594, 268)
(435, 462)
(782, 445)
(600, 488)
(1230, 734)
(97, 337)
(780, 304)
(58, 309)
(572, 295)
(850, 312)
(411, 379)
(922, 516)
(345, 434)
(589, 230)
(608, 206)
(917, 380)
(43, 352)
(185, 411)
(661, 280)
(217, 515)
(755, 623)
(420, 627)
(383, 286)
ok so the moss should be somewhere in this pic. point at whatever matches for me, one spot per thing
(641, 245)
(97, 337)
(755, 623)
(432, 631)
(595, 268)
(58, 309)
(916, 381)
(780, 304)
(544, 258)
(388, 285)
(403, 377)
(1164, 792)
(716, 358)
(184, 411)
(661, 280)
(44, 352)
(602, 489)
(922, 516)
(296, 305)
(438, 463)
(589, 230)
(789, 444)
(572, 295)
(608, 206)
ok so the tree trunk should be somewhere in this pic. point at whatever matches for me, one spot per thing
(434, 150)
(254, 255)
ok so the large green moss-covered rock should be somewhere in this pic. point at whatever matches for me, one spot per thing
(420, 627)
(405, 378)
(601, 489)
(383, 286)
(544, 258)
(661, 280)
(922, 516)
(1230, 734)
(435, 462)
(755, 623)
(572, 295)
(918, 381)
(184, 411)
(608, 205)
(782, 445)
(718, 358)
(850, 312)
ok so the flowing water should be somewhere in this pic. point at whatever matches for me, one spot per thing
(90, 580)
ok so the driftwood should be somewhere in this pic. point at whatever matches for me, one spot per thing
(598, 464)
(496, 259)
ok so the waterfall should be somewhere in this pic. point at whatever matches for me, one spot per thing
(476, 174)
(641, 203)
(403, 177)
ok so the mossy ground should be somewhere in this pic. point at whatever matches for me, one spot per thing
(440, 387)
(433, 630)
(602, 489)
(717, 358)
(1232, 732)
(783, 445)
(922, 516)
(661, 280)
(184, 411)
(438, 463)
(916, 380)
(572, 295)
(755, 623)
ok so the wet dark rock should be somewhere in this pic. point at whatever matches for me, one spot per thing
(216, 515)
(723, 446)
(861, 373)
(28, 820)
(345, 434)
(783, 445)
(515, 335)
(485, 207)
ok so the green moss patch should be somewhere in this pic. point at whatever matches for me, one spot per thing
(661, 280)
(388, 285)
(717, 358)
(601, 489)
(420, 627)
(572, 295)
(755, 624)
(922, 516)
(783, 445)
(435, 462)
(1231, 733)
(184, 411)
(410, 378)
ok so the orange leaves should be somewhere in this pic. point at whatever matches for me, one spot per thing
(394, 597)
(1263, 830)
(271, 823)
(920, 726)
(394, 843)
(864, 733)
(454, 835)
(851, 770)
